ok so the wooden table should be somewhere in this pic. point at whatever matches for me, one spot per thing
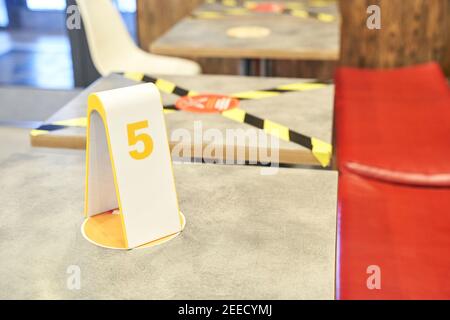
(290, 37)
(308, 112)
(247, 236)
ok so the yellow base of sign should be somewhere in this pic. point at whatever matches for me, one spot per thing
(105, 230)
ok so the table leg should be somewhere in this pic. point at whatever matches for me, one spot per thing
(256, 67)
(245, 67)
(268, 68)
(265, 68)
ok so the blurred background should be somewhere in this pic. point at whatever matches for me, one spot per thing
(35, 48)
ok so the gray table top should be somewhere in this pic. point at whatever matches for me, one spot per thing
(290, 37)
(247, 235)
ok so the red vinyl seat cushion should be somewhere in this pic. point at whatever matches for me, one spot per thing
(396, 121)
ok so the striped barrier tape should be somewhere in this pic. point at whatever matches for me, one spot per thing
(171, 88)
(289, 4)
(226, 3)
(294, 9)
(321, 150)
(299, 13)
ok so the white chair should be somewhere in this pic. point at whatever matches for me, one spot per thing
(113, 50)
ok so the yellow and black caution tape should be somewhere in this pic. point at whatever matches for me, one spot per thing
(171, 88)
(294, 9)
(321, 3)
(76, 123)
(161, 84)
(288, 4)
(299, 13)
(320, 149)
(252, 4)
(226, 3)
(59, 125)
(273, 92)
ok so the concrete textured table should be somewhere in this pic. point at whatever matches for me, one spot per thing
(291, 37)
(308, 112)
(247, 235)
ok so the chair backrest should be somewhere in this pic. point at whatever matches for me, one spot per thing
(107, 36)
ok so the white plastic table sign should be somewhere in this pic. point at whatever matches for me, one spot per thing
(130, 198)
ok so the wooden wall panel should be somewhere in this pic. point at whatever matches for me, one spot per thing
(413, 31)
(154, 17)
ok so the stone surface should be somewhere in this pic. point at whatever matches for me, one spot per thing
(247, 236)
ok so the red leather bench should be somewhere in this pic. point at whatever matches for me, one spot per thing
(396, 122)
(393, 152)
(404, 230)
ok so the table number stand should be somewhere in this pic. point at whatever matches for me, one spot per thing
(130, 199)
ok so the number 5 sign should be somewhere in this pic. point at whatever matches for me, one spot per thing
(128, 167)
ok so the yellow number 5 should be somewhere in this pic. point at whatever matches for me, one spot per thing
(134, 138)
